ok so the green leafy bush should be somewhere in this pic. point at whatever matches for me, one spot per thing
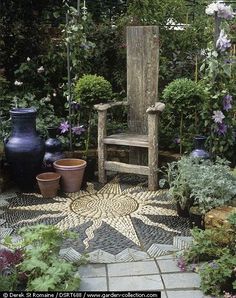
(207, 245)
(218, 275)
(209, 184)
(212, 185)
(178, 174)
(41, 264)
(183, 97)
(183, 92)
(218, 272)
(92, 89)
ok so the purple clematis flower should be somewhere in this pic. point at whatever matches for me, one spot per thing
(64, 127)
(181, 264)
(218, 116)
(177, 140)
(222, 129)
(77, 130)
(227, 102)
(223, 11)
(223, 43)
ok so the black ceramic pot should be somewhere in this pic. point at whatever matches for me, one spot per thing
(182, 212)
(24, 149)
(89, 173)
(53, 149)
(196, 219)
(199, 150)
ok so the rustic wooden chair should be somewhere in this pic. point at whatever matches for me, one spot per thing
(144, 110)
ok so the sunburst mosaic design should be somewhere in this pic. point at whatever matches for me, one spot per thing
(118, 208)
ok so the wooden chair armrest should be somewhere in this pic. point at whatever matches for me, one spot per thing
(106, 106)
(158, 107)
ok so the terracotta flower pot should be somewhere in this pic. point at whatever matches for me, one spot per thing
(72, 172)
(48, 184)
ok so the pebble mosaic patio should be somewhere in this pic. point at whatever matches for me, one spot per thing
(121, 221)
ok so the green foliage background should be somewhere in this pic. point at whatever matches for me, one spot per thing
(36, 29)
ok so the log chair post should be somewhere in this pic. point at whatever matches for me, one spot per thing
(153, 120)
(102, 150)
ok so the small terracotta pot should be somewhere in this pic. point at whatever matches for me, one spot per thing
(48, 184)
(72, 172)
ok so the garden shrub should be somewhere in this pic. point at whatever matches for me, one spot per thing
(41, 268)
(181, 121)
(218, 272)
(92, 89)
(209, 184)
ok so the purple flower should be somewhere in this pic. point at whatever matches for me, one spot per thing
(64, 126)
(223, 43)
(177, 140)
(227, 102)
(77, 130)
(224, 11)
(75, 106)
(218, 116)
(221, 128)
(181, 264)
(9, 258)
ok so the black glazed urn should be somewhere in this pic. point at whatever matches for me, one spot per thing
(53, 149)
(24, 148)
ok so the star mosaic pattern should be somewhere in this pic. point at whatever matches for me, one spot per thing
(115, 217)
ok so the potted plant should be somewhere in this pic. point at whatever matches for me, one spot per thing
(212, 185)
(181, 116)
(200, 185)
(90, 90)
(178, 174)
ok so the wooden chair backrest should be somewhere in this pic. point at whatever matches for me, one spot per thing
(142, 74)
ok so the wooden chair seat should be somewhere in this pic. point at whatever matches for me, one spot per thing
(127, 139)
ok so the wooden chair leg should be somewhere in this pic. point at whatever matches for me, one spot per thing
(153, 151)
(102, 150)
(153, 172)
(102, 177)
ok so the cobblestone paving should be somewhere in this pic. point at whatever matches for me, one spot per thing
(121, 215)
